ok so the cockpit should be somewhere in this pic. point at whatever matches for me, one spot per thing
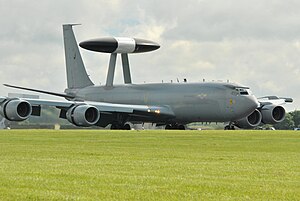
(239, 90)
(243, 91)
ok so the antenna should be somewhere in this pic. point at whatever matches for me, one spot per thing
(119, 45)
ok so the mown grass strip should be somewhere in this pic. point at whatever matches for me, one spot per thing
(149, 165)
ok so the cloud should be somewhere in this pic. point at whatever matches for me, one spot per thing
(218, 20)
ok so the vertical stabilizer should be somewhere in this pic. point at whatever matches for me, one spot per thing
(77, 76)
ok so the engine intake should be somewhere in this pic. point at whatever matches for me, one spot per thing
(83, 115)
(16, 110)
(251, 121)
(272, 114)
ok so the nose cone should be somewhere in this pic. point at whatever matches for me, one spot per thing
(248, 105)
(253, 102)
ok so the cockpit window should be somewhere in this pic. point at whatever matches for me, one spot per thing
(243, 91)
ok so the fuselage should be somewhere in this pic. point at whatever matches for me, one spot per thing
(190, 102)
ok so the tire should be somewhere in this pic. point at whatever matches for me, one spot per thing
(181, 127)
(227, 127)
(115, 127)
(168, 127)
(126, 127)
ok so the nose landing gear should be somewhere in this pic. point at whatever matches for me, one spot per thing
(229, 127)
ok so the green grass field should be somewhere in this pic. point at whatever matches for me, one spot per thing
(149, 165)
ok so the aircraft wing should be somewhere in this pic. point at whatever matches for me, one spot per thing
(78, 112)
(105, 107)
(275, 100)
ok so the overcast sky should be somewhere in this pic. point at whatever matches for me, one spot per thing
(255, 43)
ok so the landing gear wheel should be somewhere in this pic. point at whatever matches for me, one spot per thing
(175, 127)
(168, 127)
(126, 127)
(115, 127)
(229, 127)
(181, 127)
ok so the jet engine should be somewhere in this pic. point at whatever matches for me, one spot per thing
(250, 121)
(272, 114)
(83, 115)
(15, 110)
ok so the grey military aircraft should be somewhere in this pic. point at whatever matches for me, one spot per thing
(172, 105)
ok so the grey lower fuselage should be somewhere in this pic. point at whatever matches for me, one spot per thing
(190, 102)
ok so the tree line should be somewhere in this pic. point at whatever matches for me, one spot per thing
(291, 121)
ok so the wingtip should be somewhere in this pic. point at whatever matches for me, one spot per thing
(7, 85)
(288, 100)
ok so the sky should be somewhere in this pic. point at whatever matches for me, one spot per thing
(252, 42)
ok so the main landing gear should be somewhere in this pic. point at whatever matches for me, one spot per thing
(116, 126)
(175, 127)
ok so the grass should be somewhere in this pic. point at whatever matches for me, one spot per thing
(149, 165)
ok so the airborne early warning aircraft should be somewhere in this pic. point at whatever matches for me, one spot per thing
(171, 104)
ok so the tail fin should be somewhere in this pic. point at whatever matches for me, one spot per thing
(77, 76)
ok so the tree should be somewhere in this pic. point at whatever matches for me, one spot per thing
(296, 118)
(286, 124)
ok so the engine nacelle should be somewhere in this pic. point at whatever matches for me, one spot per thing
(251, 121)
(16, 110)
(272, 114)
(83, 115)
